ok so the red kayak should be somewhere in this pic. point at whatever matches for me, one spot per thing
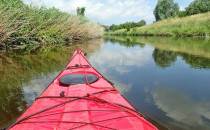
(80, 98)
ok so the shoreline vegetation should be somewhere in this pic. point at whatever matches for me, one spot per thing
(26, 27)
(193, 21)
(191, 26)
(191, 46)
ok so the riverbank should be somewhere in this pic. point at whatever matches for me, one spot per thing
(193, 51)
(27, 27)
(190, 26)
(191, 46)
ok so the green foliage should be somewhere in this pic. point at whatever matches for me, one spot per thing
(127, 25)
(198, 6)
(81, 11)
(166, 9)
(182, 14)
(12, 3)
(23, 26)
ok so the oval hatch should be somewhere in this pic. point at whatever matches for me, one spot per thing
(73, 79)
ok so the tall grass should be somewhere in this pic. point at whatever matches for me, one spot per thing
(22, 25)
(195, 25)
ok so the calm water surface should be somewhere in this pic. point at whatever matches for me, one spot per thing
(168, 80)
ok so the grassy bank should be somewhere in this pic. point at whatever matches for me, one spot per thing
(190, 46)
(23, 26)
(195, 25)
(194, 51)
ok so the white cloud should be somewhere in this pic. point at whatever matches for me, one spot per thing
(106, 12)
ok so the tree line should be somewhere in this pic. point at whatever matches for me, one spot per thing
(168, 8)
(126, 25)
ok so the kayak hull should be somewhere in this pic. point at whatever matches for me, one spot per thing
(84, 106)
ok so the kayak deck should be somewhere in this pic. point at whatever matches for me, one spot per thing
(95, 105)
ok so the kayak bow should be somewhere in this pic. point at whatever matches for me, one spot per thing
(81, 98)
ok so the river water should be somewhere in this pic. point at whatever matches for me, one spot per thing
(166, 79)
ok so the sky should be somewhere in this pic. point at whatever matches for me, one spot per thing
(108, 12)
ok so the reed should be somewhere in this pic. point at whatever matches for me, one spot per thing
(23, 26)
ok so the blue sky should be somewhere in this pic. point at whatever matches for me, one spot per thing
(109, 11)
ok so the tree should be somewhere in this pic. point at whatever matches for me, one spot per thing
(198, 6)
(81, 11)
(166, 9)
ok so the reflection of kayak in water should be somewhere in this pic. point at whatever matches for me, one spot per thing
(81, 98)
